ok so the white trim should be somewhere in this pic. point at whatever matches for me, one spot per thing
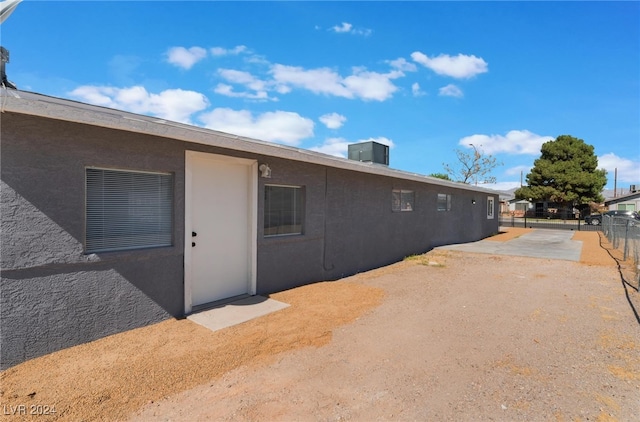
(253, 230)
(188, 229)
(491, 208)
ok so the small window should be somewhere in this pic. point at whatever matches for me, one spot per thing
(128, 210)
(490, 207)
(444, 202)
(283, 210)
(402, 200)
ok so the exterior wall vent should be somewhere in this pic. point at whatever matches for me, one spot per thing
(369, 152)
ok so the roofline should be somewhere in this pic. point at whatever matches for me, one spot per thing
(622, 198)
(29, 103)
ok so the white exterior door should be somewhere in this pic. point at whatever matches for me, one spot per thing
(220, 227)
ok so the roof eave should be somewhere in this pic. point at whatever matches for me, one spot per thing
(29, 103)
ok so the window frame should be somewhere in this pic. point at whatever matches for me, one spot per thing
(403, 200)
(128, 215)
(298, 214)
(491, 207)
(443, 202)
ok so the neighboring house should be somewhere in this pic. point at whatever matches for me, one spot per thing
(511, 206)
(505, 197)
(629, 202)
(112, 220)
(520, 207)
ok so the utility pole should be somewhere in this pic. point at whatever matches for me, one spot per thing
(6, 8)
(520, 178)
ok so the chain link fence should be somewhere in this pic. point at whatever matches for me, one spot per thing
(624, 235)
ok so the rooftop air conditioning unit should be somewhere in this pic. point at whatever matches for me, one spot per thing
(369, 152)
(632, 188)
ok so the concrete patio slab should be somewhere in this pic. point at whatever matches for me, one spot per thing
(236, 312)
(552, 244)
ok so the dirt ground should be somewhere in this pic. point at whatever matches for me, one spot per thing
(441, 336)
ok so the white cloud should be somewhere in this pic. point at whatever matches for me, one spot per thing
(338, 147)
(319, 81)
(96, 95)
(360, 84)
(459, 67)
(402, 64)
(416, 91)
(628, 170)
(246, 79)
(220, 51)
(380, 140)
(172, 104)
(372, 85)
(257, 60)
(333, 120)
(501, 186)
(450, 91)
(344, 27)
(227, 91)
(283, 79)
(347, 28)
(240, 77)
(185, 58)
(517, 170)
(514, 142)
(278, 126)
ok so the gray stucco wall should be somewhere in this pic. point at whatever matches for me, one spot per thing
(53, 295)
(350, 227)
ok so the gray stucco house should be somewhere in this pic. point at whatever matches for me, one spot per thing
(112, 220)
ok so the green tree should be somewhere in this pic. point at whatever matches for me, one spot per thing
(442, 176)
(566, 173)
(472, 167)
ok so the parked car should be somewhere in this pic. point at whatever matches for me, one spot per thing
(596, 219)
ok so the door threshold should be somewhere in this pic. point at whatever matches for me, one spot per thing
(218, 303)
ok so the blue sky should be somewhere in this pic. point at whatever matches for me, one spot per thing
(427, 78)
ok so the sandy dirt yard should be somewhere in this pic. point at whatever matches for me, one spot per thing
(441, 336)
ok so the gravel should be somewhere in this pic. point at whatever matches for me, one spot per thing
(442, 336)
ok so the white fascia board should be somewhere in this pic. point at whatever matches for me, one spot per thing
(72, 111)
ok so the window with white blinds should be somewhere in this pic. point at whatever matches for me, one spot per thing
(128, 210)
